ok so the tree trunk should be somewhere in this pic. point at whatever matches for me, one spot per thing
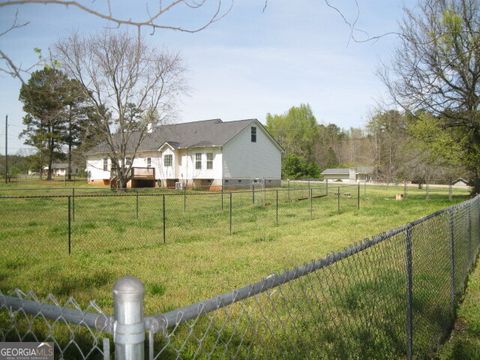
(69, 170)
(50, 158)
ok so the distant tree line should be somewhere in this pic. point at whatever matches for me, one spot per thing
(397, 146)
(108, 88)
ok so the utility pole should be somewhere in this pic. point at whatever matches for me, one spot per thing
(6, 149)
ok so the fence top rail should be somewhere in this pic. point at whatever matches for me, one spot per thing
(98, 321)
(166, 320)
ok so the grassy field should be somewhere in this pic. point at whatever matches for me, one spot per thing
(198, 252)
(200, 258)
(465, 340)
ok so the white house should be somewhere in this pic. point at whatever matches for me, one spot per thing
(209, 153)
(348, 175)
(61, 169)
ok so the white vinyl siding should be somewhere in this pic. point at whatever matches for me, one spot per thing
(243, 158)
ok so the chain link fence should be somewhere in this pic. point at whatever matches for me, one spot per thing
(76, 332)
(392, 296)
(82, 222)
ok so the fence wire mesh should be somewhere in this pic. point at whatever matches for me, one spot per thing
(80, 222)
(76, 333)
(389, 297)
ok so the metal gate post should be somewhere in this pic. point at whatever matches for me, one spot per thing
(128, 328)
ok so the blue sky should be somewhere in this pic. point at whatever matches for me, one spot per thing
(247, 65)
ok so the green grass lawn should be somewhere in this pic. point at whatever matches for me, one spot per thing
(200, 258)
(355, 307)
(465, 340)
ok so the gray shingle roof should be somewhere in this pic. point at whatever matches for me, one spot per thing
(339, 171)
(206, 133)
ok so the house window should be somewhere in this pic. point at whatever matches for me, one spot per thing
(209, 161)
(105, 164)
(149, 162)
(128, 161)
(198, 161)
(167, 160)
(253, 134)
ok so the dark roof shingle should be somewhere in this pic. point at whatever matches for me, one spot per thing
(206, 133)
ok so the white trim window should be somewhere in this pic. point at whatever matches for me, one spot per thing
(198, 161)
(105, 164)
(209, 161)
(167, 160)
(149, 162)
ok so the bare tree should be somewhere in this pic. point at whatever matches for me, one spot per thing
(130, 86)
(437, 69)
(152, 20)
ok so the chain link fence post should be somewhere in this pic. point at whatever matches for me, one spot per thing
(163, 219)
(470, 247)
(136, 204)
(276, 207)
(264, 192)
(184, 199)
(338, 199)
(358, 196)
(128, 328)
(451, 225)
(288, 189)
(73, 204)
(222, 195)
(69, 225)
(311, 204)
(409, 268)
(230, 212)
(253, 193)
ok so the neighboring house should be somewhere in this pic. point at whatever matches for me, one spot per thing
(460, 182)
(363, 173)
(207, 153)
(61, 169)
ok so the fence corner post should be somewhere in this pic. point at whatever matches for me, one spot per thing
(128, 328)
